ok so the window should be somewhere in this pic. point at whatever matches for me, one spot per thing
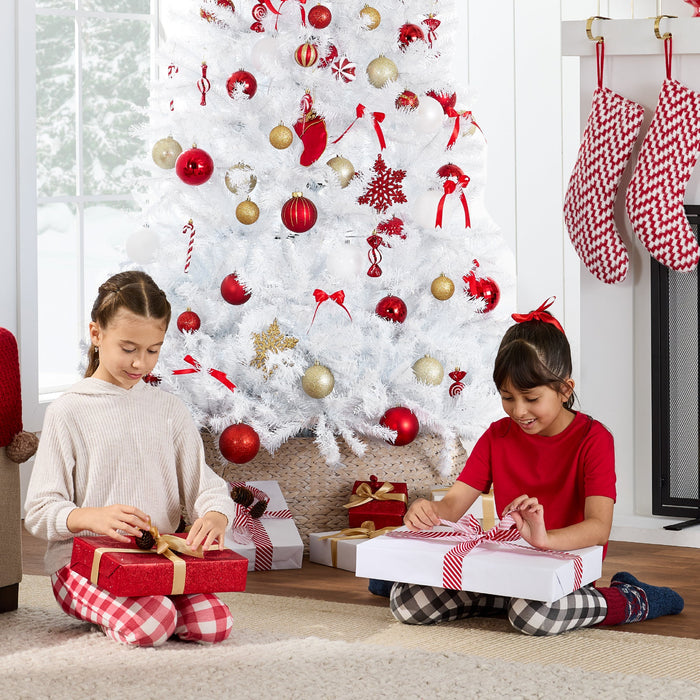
(94, 60)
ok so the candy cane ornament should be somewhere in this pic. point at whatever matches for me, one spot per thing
(189, 228)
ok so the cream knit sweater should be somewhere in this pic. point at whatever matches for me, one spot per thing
(102, 444)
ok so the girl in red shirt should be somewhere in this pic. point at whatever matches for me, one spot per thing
(553, 470)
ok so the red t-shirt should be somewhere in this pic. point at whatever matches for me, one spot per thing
(561, 471)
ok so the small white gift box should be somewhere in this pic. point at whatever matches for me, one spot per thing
(338, 548)
(271, 541)
(508, 569)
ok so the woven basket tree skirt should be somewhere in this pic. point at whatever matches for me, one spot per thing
(315, 492)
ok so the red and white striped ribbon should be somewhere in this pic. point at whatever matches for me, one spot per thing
(249, 530)
(469, 534)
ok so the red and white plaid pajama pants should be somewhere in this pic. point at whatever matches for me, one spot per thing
(143, 621)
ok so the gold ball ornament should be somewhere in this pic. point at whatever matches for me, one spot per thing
(281, 137)
(240, 179)
(343, 168)
(318, 381)
(165, 152)
(428, 370)
(370, 17)
(247, 212)
(442, 288)
(382, 70)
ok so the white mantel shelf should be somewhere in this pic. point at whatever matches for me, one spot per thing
(631, 37)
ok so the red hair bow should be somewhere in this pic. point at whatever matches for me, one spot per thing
(540, 314)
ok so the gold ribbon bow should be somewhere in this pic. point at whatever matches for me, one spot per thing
(166, 545)
(364, 495)
(365, 531)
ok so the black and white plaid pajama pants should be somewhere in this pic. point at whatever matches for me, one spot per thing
(424, 605)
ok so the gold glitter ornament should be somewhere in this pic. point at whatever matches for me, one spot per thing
(281, 137)
(240, 179)
(165, 152)
(370, 17)
(442, 288)
(247, 212)
(428, 370)
(382, 70)
(270, 341)
(343, 168)
(318, 381)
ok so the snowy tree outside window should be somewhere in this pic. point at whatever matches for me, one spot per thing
(93, 69)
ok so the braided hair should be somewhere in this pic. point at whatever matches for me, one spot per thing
(132, 290)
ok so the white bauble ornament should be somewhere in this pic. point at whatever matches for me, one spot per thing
(428, 370)
(265, 55)
(240, 179)
(142, 246)
(428, 116)
(345, 263)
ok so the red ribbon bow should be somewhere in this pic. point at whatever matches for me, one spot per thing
(377, 119)
(450, 186)
(321, 296)
(196, 367)
(540, 314)
(269, 5)
(456, 115)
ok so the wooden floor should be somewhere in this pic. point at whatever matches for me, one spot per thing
(677, 567)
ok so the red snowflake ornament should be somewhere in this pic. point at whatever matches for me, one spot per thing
(385, 187)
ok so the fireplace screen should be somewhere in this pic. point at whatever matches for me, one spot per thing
(675, 382)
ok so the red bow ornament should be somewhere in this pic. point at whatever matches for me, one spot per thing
(540, 314)
(377, 119)
(196, 367)
(457, 115)
(450, 186)
(321, 296)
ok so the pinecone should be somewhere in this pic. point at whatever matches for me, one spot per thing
(242, 495)
(258, 509)
(146, 541)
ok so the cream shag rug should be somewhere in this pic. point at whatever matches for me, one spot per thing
(301, 648)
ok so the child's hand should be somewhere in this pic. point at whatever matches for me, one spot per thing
(109, 520)
(422, 515)
(211, 526)
(528, 515)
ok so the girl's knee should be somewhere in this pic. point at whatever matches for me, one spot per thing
(203, 618)
(407, 605)
(150, 626)
(530, 617)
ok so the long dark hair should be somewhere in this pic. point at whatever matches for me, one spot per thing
(534, 353)
(132, 290)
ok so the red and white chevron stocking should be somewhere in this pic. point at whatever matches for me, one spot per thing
(612, 128)
(666, 160)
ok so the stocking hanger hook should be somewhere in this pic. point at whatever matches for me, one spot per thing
(589, 28)
(657, 23)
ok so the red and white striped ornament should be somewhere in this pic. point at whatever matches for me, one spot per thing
(189, 228)
(204, 85)
(306, 55)
(343, 69)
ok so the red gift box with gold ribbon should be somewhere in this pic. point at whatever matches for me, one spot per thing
(124, 570)
(382, 502)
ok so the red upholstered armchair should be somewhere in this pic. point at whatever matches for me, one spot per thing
(16, 446)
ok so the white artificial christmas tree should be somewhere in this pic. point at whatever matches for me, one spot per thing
(239, 84)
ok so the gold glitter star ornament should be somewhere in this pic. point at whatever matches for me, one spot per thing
(270, 341)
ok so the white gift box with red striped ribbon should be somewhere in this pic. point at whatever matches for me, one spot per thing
(271, 541)
(512, 569)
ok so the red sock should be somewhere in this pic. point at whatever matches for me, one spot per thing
(617, 606)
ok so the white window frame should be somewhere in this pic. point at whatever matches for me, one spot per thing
(25, 247)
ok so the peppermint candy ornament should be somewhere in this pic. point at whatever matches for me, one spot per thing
(457, 384)
(343, 69)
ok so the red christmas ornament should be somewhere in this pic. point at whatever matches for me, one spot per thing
(239, 443)
(392, 308)
(152, 379)
(246, 80)
(299, 214)
(404, 422)
(385, 187)
(408, 33)
(259, 11)
(407, 100)
(319, 17)
(306, 55)
(432, 23)
(343, 69)
(482, 288)
(233, 291)
(447, 100)
(188, 322)
(311, 129)
(194, 167)
(457, 384)
(374, 255)
(329, 57)
(392, 227)
(450, 170)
